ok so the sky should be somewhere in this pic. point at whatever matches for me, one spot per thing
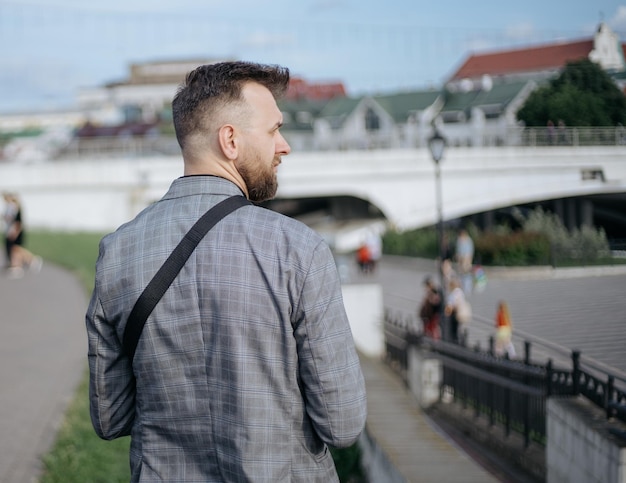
(49, 49)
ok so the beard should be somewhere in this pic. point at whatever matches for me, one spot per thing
(260, 179)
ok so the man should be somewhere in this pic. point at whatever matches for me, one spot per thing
(430, 309)
(18, 257)
(246, 369)
(465, 260)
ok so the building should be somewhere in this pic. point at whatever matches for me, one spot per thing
(477, 106)
(483, 95)
(146, 93)
(539, 62)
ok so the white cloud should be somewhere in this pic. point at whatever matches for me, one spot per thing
(477, 44)
(263, 40)
(520, 32)
(618, 21)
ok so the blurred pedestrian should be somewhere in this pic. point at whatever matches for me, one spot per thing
(480, 279)
(364, 258)
(504, 331)
(430, 309)
(18, 257)
(465, 258)
(375, 247)
(458, 310)
(448, 272)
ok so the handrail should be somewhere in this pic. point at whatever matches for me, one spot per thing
(592, 379)
(518, 136)
(597, 366)
(563, 353)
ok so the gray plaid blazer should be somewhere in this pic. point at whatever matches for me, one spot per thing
(246, 369)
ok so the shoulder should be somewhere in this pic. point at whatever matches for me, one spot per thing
(281, 225)
(279, 237)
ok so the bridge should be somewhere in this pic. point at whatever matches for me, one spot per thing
(401, 183)
(334, 190)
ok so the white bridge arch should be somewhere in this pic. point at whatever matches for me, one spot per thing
(99, 194)
(401, 182)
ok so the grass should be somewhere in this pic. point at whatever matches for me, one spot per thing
(76, 251)
(78, 455)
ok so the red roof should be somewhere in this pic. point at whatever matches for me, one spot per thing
(301, 89)
(547, 57)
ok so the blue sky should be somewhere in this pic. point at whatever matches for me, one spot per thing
(50, 48)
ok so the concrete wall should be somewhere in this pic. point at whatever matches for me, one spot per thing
(375, 462)
(425, 375)
(90, 195)
(581, 447)
(364, 306)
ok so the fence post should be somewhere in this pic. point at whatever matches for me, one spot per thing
(526, 397)
(608, 396)
(549, 378)
(491, 345)
(576, 372)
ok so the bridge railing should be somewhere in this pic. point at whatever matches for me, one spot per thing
(154, 143)
(511, 393)
(570, 136)
(119, 146)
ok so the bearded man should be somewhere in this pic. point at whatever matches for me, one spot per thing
(245, 369)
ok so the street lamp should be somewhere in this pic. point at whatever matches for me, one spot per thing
(437, 144)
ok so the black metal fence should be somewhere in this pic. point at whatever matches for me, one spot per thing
(510, 393)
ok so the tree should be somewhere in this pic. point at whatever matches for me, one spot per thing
(582, 95)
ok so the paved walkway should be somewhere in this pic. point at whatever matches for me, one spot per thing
(557, 309)
(43, 347)
(413, 444)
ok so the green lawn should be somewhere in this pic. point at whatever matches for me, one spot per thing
(79, 456)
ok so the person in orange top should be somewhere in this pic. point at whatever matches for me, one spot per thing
(364, 258)
(504, 331)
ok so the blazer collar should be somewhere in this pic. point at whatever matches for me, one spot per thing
(202, 184)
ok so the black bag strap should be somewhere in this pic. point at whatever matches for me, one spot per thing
(159, 284)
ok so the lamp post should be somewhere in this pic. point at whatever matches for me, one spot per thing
(437, 144)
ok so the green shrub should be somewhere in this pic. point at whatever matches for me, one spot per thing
(413, 243)
(584, 245)
(348, 464)
(543, 239)
(514, 248)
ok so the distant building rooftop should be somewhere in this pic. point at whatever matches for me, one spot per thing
(534, 59)
(604, 47)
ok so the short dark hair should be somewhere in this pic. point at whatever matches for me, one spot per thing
(210, 86)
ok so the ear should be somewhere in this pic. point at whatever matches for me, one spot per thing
(228, 141)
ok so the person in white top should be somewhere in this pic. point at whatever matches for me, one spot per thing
(458, 310)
